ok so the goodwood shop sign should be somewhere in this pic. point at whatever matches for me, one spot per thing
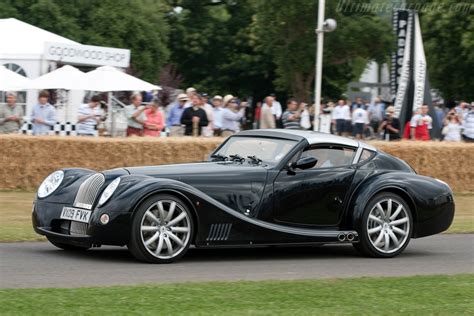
(87, 55)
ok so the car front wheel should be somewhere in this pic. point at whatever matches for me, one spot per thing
(161, 230)
(386, 226)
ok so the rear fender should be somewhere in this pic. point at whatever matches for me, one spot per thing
(395, 182)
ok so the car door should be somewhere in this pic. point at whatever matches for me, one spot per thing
(315, 196)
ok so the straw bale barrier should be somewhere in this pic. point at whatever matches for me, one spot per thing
(26, 160)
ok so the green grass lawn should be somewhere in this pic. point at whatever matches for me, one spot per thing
(15, 216)
(419, 295)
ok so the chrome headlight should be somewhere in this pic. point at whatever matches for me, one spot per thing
(109, 190)
(50, 184)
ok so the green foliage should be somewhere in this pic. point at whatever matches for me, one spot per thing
(285, 31)
(211, 48)
(449, 47)
(249, 47)
(138, 25)
(418, 295)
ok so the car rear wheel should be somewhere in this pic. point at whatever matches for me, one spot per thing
(386, 226)
(161, 230)
(67, 247)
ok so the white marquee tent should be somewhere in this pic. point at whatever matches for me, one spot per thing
(108, 78)
(10, 80)
(66, 77)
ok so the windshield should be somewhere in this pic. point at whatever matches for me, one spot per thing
(269, 150)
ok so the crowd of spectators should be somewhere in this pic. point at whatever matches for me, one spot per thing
(196, 114)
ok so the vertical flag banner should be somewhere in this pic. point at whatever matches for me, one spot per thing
(409, 75)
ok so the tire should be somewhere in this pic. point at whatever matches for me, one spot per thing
(161, 232)
(67, 247)
(385, 235)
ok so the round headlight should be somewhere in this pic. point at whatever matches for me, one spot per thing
(50, 184)
(109, 190)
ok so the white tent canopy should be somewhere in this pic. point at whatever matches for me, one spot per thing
(108, 78)
(66, 77)
(23, 40)
(10, 80)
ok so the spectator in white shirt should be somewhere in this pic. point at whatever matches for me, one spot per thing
(468, 126)
(217, 111)
(340, 114)
(452, 127)
(276, 108)
(89, 115)
(360, 121)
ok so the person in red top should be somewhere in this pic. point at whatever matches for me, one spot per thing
(154, 122)
(256, 118)
(421, 124)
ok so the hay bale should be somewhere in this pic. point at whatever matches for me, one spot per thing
(26, 160)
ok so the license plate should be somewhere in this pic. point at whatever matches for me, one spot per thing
(76, 214)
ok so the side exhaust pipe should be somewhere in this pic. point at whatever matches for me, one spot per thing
(341, 237)
(350, 237)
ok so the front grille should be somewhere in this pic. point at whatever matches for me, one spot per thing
(88, 191)
(219, 232)
(68, 227)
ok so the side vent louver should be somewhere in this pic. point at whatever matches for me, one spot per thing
(219, 232)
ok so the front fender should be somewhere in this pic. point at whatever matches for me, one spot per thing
(133, 189)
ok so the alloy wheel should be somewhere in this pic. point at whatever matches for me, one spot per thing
(388, 225)
(165, 229)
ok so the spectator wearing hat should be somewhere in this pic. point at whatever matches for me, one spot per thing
(11, 115)
(43, 115)
(217, 113)
(135, 116)
(194, 117)
(173, 121)
(88, 116)
(231, 116)
(267, 118)
(468, 125)
(154, 122)
(420, 124)
(390, 125)
(190, 92)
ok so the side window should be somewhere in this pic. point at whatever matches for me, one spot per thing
(366, 155)
(330, 156)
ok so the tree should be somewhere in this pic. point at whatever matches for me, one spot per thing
(212, 48)
(285, 31)
(448, 37)
(138, 25)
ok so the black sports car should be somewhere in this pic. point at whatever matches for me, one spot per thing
(259, 188)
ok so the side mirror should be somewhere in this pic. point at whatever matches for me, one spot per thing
(304, 163)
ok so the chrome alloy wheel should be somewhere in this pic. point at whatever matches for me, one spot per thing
(165, 229)
(388, 225)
